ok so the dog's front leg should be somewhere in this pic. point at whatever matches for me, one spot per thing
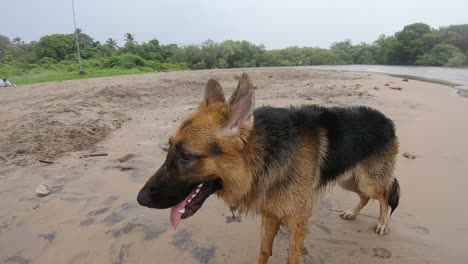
(270, 226)
(297, 227)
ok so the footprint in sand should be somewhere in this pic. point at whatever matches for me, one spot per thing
(323, 227)
(203, 254)
(17, 259)
(123, 253)
(422, 230)
(113, 218)
(377, 252)
(233, 219)
(126, 158)
(183, 241)
(87, 222)
(111, 199)
(153, 232)
(49, 237)
(382, 253)
(98, 212)
(124, 229)
(311, 258)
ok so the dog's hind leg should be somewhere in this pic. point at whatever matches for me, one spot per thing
(270, 226)
(373, 182)
(297, 227)
(381, 227)
(391, 199)
(351, 213)
(350, 184)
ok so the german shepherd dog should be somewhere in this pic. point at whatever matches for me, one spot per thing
(275, 162)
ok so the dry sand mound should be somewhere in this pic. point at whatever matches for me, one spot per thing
(44, 121)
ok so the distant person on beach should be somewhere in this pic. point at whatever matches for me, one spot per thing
(5, 83)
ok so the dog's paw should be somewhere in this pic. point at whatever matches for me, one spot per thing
(348, 214)
(381, 229)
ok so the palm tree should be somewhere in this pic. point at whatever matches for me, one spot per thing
(130, 38)
(17, 40)
(84, 39)
(111, 44)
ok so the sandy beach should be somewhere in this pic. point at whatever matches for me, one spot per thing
(91, 214)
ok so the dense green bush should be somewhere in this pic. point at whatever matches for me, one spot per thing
(12, 68)
(324, 57)
(56, 46)
(440, 55)
(457, 60)
(126, 61)
(47, 60)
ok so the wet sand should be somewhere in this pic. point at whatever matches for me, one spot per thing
(91, 215)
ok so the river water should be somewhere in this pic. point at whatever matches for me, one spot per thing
(455, 77)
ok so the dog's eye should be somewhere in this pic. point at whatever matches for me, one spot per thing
(187, 156)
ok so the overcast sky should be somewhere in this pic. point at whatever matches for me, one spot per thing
(276, 24)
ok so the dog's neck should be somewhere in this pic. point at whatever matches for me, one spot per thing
(254, 156)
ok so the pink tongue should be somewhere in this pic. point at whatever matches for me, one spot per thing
(175, 214)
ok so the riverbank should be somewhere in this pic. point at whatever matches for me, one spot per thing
(454, 77)
(91, 215)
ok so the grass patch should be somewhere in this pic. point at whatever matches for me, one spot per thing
(57, 75)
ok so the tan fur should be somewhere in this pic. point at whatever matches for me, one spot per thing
(250, 192)
(371, 180)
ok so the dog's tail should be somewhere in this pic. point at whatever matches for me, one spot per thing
(393, 196)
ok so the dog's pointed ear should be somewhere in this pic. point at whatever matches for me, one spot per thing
(213, 93)
(241, 105)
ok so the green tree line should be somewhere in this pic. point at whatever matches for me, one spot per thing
(415, 44)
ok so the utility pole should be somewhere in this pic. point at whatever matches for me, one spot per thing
(76, 39)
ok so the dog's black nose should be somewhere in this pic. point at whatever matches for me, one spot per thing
(144, 198)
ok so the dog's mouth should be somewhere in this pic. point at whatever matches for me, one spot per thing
(193, 201)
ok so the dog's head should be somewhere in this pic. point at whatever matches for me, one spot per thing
(206, 155)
